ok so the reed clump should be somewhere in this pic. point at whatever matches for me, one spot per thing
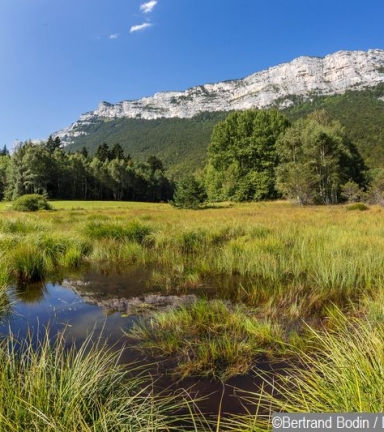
(208, 338)
(26, 263)
(30, 258)
(346, 375)
(22, 226)
(52, 388)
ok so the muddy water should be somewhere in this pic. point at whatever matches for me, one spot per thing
(103, 305)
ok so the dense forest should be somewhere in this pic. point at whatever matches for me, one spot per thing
(47, 169)
(182, 143)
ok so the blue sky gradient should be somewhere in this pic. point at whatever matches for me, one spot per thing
(60, 58)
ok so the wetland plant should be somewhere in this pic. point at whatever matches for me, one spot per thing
(346, 375)
(208, 338)
(53, 388)
(133, 231)
(357, 206)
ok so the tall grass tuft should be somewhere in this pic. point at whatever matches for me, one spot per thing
(347, 375)
(32, 258)
(26, 263)
(22, 226)
(61, 250)
(4, 300)
(57, 389)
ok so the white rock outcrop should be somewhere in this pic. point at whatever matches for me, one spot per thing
(277, 86)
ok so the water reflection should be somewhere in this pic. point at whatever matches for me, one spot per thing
(30, 293)
(5, 305)
(52, 308)
(77, 306)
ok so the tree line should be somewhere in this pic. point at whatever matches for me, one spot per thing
(47, 169)
(253, 155)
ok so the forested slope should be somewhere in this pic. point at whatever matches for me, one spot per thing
(182, 143)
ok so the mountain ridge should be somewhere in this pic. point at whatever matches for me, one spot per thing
(277, 86)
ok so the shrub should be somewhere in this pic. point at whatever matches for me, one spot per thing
(32, 202)
(357, 206)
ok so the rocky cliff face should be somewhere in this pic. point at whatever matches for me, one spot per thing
(277, 86)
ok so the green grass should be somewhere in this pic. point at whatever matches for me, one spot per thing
(347, 375)
(288, 260)
(208, 338)
(134, 231)
(31, 257)
(357, 206)
(56, 389)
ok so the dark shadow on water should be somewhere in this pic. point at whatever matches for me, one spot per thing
(30, 293)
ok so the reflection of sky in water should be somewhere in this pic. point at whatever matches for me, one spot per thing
(59, 308)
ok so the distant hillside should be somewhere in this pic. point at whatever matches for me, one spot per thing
(182, 142)
(179, 142)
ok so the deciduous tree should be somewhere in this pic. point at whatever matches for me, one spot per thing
(242, 156)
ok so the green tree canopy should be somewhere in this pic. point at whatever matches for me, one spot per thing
(316, 160)
(189, 193)
(117, 152)
(103, 152)
(53, 144)
(242, 156)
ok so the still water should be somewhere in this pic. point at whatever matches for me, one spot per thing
(100, 304)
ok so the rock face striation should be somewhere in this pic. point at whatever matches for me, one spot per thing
(277, 86)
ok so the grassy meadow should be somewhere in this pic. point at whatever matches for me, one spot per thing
(282, 282)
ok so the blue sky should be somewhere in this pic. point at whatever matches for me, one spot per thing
(60, 58)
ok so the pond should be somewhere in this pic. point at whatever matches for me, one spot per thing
(103, 305)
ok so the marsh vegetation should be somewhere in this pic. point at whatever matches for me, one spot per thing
(274, 281)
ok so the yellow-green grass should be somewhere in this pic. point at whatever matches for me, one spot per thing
(208, 338)
(291, 264)
(52, 388)
(290, 259)
(346, 375)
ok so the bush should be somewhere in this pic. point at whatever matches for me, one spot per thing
(32, 202)
(357, 206)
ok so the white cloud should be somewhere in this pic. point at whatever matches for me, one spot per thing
(140, 27)
(114, 36)
(148, 7)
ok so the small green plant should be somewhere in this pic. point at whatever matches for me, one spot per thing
(31, 203)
